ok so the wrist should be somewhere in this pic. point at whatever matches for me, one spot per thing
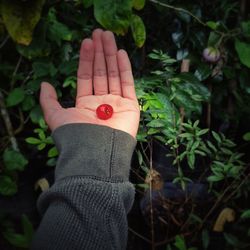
(93, 150)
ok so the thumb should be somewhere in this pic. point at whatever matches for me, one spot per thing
(48, 101)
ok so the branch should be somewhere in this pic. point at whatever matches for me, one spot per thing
(7, 122)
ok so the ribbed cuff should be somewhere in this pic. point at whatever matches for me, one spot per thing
(93, 150)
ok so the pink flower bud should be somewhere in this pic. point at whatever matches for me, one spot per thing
(211, 54)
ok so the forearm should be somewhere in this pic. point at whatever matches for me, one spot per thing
(86, 208)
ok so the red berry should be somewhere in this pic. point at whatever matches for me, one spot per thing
(104, 111)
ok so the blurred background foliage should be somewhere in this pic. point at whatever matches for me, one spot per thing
(191, 62)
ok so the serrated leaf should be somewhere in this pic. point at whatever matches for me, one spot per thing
(114, 15)
(138, 4)
(14, 160)
(7, 186)
(243, 51)
(138, 30)
(20, 18)
(15, 97)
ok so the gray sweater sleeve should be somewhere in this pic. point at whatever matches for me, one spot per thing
(87, 206)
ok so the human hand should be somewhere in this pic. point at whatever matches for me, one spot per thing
(104, 77)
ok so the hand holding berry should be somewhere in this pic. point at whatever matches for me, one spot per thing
(104, 77)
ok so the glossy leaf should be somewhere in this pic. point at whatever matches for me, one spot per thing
(114, 15)
(15, 97)
(138, 30)
(20, 18)
(243, 50)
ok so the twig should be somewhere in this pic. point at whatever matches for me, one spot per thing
(15, 71)
(4, 41)
(179, 9)
(139, 235)
(184, 68)
(8, 124)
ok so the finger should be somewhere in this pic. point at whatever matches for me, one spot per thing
(48, 101)
(127, 80)
(85, 69)
(110, 52)
(100, 73)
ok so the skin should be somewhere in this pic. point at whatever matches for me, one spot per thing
(104, 77)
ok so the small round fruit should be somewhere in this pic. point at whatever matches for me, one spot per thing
(211, 54)
(104, 111)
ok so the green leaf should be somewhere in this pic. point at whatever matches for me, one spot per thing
(216, 137)
(87, 3)
(243, 50)
(215, 178)
(44, 69)
(246, 136)
(205, 238)
(213, 39)
(138, 30)
(39, 47)
(180, 242)
(53, 152)
(58, 31)
(32, 140)
(15, 97)
(203, 72)
(191, 160)
(36, 114)
(138, 4)
(41, 146)
(212, 25)
(28, 103)
(20, 18)
(156, 124)
(14, 160)
(27, 228)
(17, 240)
(246, 28)
(245, 214)
(202, 132)
(7, 186)
(114, 15)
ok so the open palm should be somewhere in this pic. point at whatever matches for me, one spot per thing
(104, 77)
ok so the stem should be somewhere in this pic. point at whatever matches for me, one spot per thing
(8, 124)
(179, 9)
(4, 41)
(151, 202)
(15, 71)
(209, 107)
